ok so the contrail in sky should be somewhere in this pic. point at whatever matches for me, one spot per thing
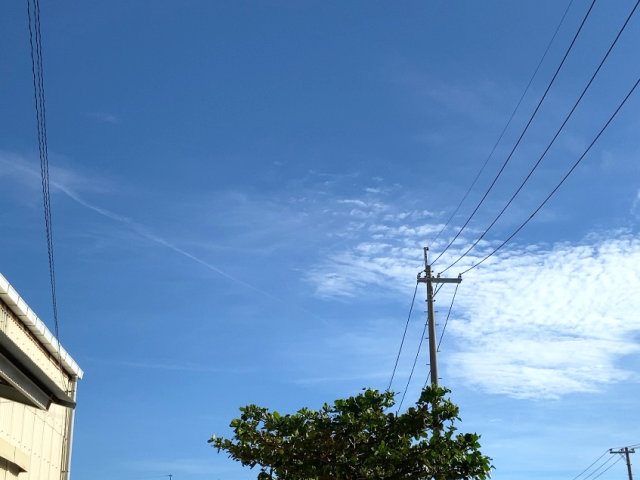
(141, 230)
(15, 165)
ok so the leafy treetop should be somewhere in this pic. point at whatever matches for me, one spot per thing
(356, 439)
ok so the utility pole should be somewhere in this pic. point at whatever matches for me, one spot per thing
(626, 451)
(429, 279)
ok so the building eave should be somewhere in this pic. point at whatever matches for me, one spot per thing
(23, 312)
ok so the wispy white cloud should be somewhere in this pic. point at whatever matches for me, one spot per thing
(550, 321)
(348, 273)
(27, 174)
(534, 321)
(412, 215)
(316, 173)
(359, 203)
(104, 117)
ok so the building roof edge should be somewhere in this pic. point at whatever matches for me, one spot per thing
(37, 327)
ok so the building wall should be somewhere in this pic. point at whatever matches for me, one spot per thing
(36, 438)
(38, 435)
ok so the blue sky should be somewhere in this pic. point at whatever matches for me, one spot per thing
(241, 192)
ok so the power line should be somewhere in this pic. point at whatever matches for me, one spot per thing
(35, 42)
(37, 69)
(544, 55)
(601, 473)
(403, 337)
(559, 184)
(446, 322)
(424, 331)
(584, 91)
(592, 473)
(627, 446)
(526, 128)
(596, 461)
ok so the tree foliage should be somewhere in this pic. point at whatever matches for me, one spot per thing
(357, 438)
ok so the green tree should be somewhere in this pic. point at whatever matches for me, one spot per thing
(357, 439)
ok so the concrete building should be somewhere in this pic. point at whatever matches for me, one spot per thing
(38, 381)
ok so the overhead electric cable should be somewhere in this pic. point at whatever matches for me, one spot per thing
(403, 337)
(584, 91)
(35, 42)
(446, 322)
(427, 380)
(596, 461)
(526, 128)
(592, 473)
(606, 469)
(424, 331)
(504, 130)
(559, 184)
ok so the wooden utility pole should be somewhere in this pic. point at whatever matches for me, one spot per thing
(429, 279)
(626, 451)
